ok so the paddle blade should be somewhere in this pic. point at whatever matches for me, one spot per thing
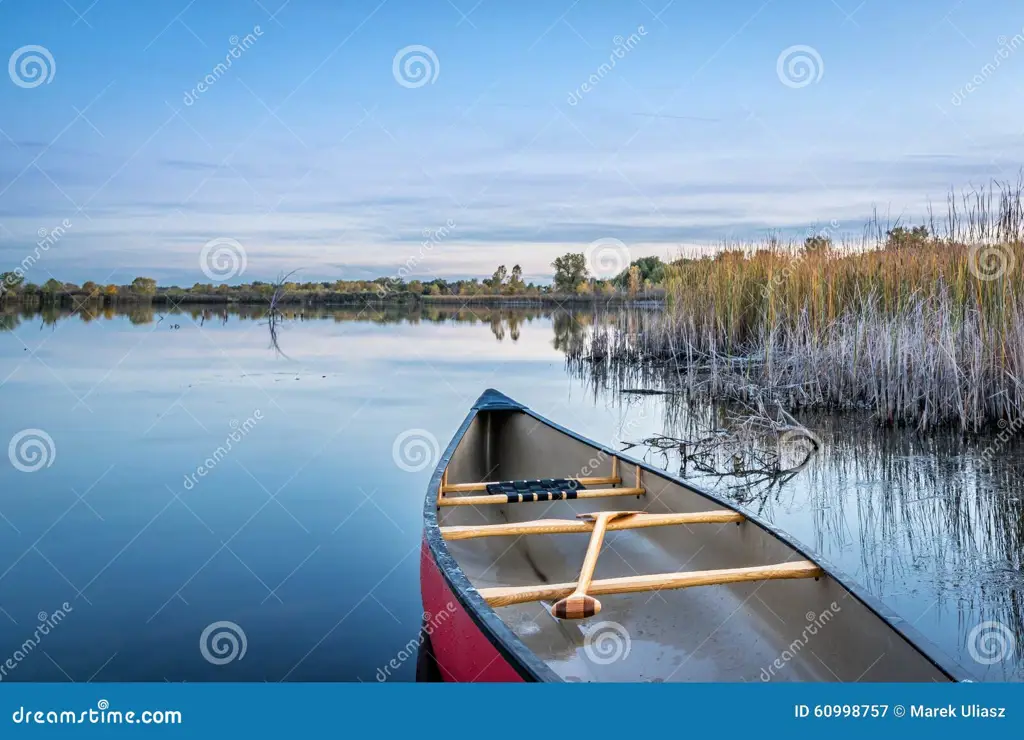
(576, 607)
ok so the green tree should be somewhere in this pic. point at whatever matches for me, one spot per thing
(144, 286)
(904, 238)
(515, 281)
(53, 286)
(570, 272)
(498, 278)
(650, 268)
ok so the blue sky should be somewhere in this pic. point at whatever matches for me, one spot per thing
(309, 153)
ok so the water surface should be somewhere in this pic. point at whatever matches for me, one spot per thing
(304, 532)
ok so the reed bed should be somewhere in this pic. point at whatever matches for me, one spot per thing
(919, 328)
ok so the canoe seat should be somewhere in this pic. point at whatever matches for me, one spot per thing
(554, 494)
(543, 485)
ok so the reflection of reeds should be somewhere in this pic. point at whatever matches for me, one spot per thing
(924, 522)
(916, 329)
(930, 514)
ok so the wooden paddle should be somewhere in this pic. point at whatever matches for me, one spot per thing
(578, 605)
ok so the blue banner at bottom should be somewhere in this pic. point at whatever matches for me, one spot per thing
(436, 710)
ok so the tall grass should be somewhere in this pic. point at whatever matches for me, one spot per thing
(918, 327)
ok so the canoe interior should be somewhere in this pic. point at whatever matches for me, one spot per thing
(786, 630)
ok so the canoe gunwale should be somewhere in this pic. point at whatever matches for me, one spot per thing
(512, 649)
(529, 666)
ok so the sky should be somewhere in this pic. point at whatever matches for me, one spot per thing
(440, 138)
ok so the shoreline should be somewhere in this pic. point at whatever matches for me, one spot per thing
(81, 299)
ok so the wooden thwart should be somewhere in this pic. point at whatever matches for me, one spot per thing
(611, 480)
(507, 596)
(568, 526)
(501, 498)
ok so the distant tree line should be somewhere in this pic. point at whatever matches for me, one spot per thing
(571, 277)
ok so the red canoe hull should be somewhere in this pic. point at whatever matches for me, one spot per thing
(462, 651)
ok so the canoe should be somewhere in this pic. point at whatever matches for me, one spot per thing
(549, 557)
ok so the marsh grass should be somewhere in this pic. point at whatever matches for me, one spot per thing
(918, 328)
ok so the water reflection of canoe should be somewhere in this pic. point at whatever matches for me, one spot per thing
(686, 588)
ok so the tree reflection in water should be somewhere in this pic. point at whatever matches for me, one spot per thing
(927, 523)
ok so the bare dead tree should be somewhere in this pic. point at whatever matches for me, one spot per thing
(274, 315)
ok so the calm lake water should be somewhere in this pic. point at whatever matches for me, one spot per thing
(306, 534)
